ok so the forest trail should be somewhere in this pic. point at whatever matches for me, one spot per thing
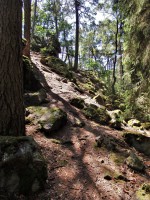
(77, 169)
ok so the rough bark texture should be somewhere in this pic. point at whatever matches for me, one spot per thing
(11, 77)
(34, 18)
(77, 35)
(27, 26)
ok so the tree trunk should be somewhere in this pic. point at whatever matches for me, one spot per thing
(56, 20)
(121, 70)
(34, 19)
(27, 26)
(115, 59)
(11, 73)
(77, 36)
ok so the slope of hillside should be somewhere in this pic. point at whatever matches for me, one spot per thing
(81, 165)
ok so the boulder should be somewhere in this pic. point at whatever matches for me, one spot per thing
(35, 98)
(139, 141)
(100, 98)
(30, 79)
(97, 114)
(58, 66)
(77, 102)
(23, 169)
(48, 119)
(116, 119)
(135, 162)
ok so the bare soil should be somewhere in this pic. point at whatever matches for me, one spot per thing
(77, 169)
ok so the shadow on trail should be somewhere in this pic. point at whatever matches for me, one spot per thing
(85, 182)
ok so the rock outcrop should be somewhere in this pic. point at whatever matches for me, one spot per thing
(22, 166)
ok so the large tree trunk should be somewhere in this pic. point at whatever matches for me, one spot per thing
(77, 35)
(27, 26)
(11, 75)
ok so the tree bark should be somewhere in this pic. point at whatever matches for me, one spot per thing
(121, 70)
(34, 19)
(27, 26)
(115, 59)
(11, 73)
(77, 36)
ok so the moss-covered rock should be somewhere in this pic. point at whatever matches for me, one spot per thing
(143, 193)
(146, 125)
(100, 98)
(134, 122)
(97, 114)
(30, 79)
(89, 82)
(139, 141)
(116, 119)
(135, 162)
(22, 167)
(58, 66)
(77, 102)
(35, 98)
(49, 119)
(78, 123)
(43, 60)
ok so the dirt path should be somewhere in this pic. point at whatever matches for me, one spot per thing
(77, 169)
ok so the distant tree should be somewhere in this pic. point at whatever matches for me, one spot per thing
(77, 4)
(27, 26)
(11, 77)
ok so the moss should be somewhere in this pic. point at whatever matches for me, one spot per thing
(146, 188)
(43, 60)
(30, 78)
(100, 98)
(21, 165)
(146, 125)
(135, 162)
(117, 158)
(59, 67)
(77, 102)
(24, 41)
(88, 86)
(134, 122)
(49, 119)
(97, 114)
(139, 141)
(143, 193)
(27, 62)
